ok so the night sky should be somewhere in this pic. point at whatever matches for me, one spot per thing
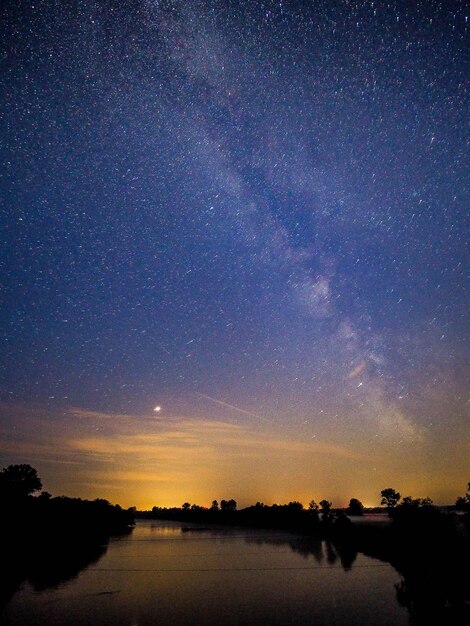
(253, 215)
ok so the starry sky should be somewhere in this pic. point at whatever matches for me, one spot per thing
(253, 215)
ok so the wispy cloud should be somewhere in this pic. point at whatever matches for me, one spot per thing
(205, 438)
(156, 461)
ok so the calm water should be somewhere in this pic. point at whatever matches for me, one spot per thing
(164, 574)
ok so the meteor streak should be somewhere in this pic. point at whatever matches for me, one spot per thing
(234, 408)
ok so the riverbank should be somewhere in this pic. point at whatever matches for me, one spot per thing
(430, 548)
(170, 573)
(47, 540)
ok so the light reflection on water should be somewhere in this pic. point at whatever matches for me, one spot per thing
(166, 574)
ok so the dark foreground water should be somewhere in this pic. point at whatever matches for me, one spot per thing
(166, 574)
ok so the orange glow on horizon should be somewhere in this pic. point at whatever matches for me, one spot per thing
(145, 462)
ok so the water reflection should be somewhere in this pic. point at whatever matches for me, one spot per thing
(45, 568)
(50, 570)
(306, 547)
(187, 574)
(430, 600)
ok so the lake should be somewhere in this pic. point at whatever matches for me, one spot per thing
(171, 574)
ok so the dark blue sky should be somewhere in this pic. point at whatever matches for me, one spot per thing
(265, 203)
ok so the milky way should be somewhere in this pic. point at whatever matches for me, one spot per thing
(255, 213)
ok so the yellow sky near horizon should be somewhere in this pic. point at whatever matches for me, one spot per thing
(147, 461)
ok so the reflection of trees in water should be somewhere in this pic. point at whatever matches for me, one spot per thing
(46, 540)
(347, 553)
(430, 601)
(331, 555)
(44, 567)
(321, 550)
(49, 570)
(431, 552)
(435, 585)
(434, 593)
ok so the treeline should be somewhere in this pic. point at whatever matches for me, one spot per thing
(47, 540)
(317, 519)
(319, 516)
(59, 518)
(427, 545)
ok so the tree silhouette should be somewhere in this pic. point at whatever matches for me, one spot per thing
(463, 502)
(19, 481)
(214, 505)
(228, 505)
(313, 511)
(295, 506)
(355, 507)
(408, 501)
(390, 497)
(327, 514)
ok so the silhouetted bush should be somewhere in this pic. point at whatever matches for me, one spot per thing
(355, 507)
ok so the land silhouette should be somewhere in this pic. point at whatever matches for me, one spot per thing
(429, 546)
(47, 540)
